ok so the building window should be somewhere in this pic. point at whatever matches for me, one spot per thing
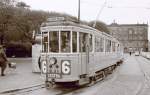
(130, 32)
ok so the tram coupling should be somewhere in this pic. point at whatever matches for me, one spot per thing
(50, 84)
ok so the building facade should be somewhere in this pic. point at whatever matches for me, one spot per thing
(149, 46)
(134, 37)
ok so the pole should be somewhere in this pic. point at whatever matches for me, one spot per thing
(99, 13)
(79, 11)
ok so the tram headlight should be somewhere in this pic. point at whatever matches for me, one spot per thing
(52, 61)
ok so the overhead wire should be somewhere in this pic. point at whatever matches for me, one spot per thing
(130, 7)
(113, 6)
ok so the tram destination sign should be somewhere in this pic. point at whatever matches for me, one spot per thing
(53, 19)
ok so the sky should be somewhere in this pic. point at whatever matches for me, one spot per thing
(120, 11)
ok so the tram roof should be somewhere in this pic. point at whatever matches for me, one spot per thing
(64, 21)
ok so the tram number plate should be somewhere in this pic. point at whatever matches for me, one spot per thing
(54, 75)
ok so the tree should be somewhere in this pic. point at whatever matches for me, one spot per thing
(100, 26)
(22, 5)
(6, 13)
(4, 3)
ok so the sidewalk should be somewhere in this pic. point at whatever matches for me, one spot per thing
(21, 77)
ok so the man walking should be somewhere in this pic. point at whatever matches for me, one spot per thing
(3, 61)
(130, 53)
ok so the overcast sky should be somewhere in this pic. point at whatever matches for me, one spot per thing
(122, 11)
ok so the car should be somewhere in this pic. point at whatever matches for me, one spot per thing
(148, 55)
(137, 53)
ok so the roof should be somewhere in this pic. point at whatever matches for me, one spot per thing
(62, 21)
(124, 25)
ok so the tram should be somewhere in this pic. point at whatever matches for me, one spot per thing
(76, 53)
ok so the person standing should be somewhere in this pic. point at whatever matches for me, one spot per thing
(3, 61)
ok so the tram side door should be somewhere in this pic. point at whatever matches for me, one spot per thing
(87, 54)
(84, 52)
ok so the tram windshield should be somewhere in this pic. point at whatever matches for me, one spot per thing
(54, 41)
(65, 41)
(44, 42)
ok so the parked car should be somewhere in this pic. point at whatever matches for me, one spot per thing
(137, 53)
(148, 55)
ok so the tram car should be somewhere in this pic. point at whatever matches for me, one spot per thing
(76, 53)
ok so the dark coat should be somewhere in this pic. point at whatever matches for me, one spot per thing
(3, 59)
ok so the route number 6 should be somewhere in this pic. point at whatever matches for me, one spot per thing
(44, 67)
(66, 67)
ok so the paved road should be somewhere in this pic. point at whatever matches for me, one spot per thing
(145, 68)
(131, 78)
(126, 80)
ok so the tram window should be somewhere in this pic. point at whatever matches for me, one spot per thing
(113, 47)
(108, 45)
(65, 41)
(91, 43)
(74, 41)
(96, 44)
(44, 42)
(118, 48)
(101, 44)
(82, 42)
(106, 41)
(54, 41)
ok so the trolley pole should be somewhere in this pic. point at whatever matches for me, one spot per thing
(102, 8)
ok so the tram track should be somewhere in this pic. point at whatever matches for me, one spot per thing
(61, 90)
(29, 90)
(22, 90)
(66, 91)
(145, 73)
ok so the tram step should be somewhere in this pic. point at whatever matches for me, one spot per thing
(83, 81)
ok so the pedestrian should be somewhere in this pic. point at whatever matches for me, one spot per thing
(130, 53)
(3, 60)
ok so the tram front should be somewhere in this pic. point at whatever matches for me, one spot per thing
(59, 57)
